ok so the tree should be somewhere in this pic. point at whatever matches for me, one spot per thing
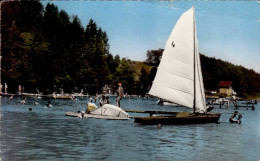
(154, 57)
(144, 82)
(17, 17)
(125, 75)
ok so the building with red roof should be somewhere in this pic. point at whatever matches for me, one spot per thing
(225, 88)
(224, 84)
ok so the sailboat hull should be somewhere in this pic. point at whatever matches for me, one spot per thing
(173, 120)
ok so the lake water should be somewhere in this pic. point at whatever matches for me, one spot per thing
(47, 134)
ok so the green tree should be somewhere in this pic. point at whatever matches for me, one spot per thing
(144, 82)
(154, 57)
(16, 18)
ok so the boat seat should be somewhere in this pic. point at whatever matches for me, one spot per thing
(183, 114)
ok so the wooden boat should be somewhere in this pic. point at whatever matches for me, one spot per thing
(107, 111)
(179, 77)
(189, 118)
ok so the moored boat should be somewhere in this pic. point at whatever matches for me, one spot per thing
(191, 118)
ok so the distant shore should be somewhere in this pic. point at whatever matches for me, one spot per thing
(257, 97)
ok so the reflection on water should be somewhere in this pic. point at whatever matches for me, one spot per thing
(47, 134)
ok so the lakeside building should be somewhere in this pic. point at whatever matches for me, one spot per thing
(225, 88)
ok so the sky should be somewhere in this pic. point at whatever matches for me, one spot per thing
(227, 30)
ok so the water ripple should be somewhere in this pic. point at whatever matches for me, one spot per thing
(47, 134)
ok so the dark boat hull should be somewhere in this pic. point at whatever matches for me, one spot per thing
(173, 120)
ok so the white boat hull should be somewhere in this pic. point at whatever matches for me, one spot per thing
(105, 117)
(110, 112)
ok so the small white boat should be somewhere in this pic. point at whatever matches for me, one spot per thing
(107, 111)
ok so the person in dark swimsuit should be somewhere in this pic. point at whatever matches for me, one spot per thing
(233, 118)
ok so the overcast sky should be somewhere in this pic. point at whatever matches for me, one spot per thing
(226, 30)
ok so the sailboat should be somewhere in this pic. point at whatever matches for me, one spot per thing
(179, 77)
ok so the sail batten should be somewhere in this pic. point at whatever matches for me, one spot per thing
(187, 92)
(179, 75)
(179, 78)
(184, 100)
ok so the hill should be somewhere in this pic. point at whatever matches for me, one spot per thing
(244, 81)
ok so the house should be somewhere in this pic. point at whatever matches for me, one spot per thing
(225, 88)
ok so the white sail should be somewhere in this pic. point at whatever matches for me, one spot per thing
(174, 80)
(200, 92)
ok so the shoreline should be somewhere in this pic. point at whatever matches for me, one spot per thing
(254, 97)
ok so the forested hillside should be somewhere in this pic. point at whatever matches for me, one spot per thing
(47, 49)
(244, 81)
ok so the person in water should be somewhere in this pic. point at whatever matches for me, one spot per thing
(120, 92)
(234, 119)
(48, 105)
(36, 103)
(11, 98)
(23, 101)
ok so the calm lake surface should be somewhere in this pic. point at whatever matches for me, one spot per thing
(47, 134)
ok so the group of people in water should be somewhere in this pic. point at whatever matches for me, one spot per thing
(91, 105)
(36, 102)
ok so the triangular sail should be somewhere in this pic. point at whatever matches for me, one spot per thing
(174, 80)
(200, 92)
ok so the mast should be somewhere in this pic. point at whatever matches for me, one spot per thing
(194, 53)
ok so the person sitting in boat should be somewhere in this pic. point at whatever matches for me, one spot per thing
(101, 101)
(104, 100)
(90, 106)
(209, 108)
(107, 101)
(120, 93)
(234, 119)
(160, 102)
